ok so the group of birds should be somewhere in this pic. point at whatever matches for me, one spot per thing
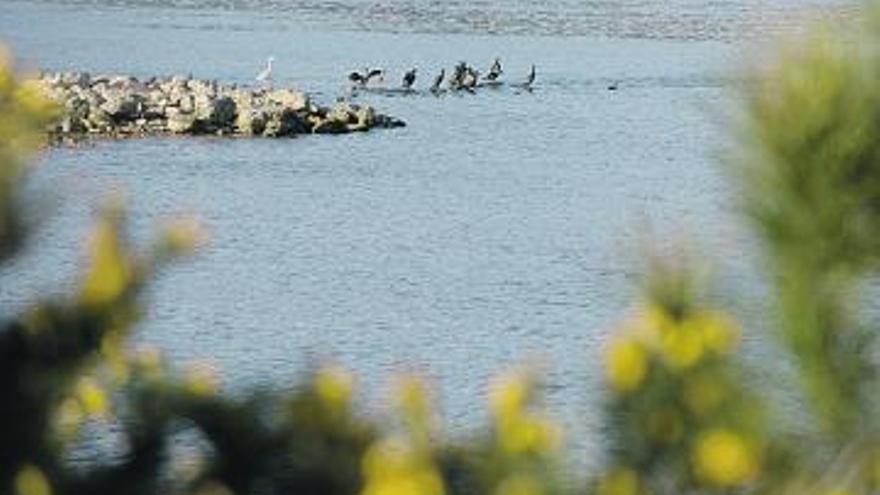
(463, 77)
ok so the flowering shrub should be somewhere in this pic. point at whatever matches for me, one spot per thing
(682, 415)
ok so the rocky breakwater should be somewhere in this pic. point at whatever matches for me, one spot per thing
(121, 106)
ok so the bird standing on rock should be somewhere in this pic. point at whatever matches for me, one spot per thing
(469, 79)
(495, 71)
(265, 77)
(438, 81)
(409, 78)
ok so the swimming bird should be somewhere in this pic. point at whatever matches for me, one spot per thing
(613, 86)
(438, 81)
(409, 78)
(495, 71)
(265, 76)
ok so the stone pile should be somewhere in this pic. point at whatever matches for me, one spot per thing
(120, 106)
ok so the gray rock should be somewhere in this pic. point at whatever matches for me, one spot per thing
(180, 122)
(288, 98)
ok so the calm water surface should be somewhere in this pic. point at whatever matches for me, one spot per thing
(495, 227)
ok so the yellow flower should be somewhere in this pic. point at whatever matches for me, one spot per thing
(626, 365)
(392, 467)
(527, 433)
(619, 481)
(334, 386)
(110, 272)
(30, 480)
(520, 484)
(720, 333)
(202, 380)
(413, 400)
(92, 397)
(682, 347)
(724, 458)
(510, 394)
(183, 235)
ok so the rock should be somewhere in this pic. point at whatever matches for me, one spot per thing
(180, 122)
(249, 122)
(288, 98)
(330, 126)
(284, 123)
(365, 116)
(119, 105)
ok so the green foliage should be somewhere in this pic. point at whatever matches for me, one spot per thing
(681, 417)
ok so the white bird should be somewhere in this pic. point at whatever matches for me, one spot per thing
(266, 75)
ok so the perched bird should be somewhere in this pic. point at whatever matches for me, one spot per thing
(363, 78)
(409, 78)
(530, 79)
(495, 71)
(438, 81)
(470, 77)
(458, 75)
(265, 76)
(358, 78)
(375, 73)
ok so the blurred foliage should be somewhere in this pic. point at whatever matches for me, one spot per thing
(682, 414)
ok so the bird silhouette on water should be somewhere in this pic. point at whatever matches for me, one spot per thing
(438, 81)
(495, 70)
(409, 78)
(530, 79)
(363, 78)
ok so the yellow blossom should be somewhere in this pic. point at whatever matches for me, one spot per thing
(148, 357)
(30, 480)
(392, 467)
(413, 398)
(527, 433)
(510, 393)
(110, 270)
(520, 484)
(183, 235)
(92, 397)
(619, 481)
(682, 347)
(202, 380)
(724, 458)
(719, 332)
(626, 364)
(334, 386)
